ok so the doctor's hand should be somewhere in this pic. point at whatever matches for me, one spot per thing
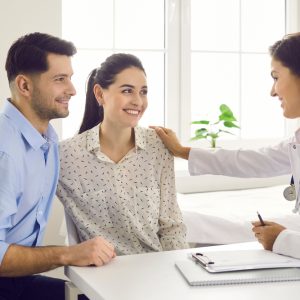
(267, 234)
(171, 141)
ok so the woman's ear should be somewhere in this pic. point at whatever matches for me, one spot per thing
(98, 92)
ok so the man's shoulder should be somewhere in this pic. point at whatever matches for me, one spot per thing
(10, 137)
(6, 124)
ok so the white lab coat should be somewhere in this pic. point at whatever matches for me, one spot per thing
(281, 159)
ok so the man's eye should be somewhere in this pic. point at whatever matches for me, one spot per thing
(144, 92)
(127, 91)
(60, 79)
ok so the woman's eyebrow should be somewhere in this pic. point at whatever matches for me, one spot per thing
(132, 86)
(127, 85)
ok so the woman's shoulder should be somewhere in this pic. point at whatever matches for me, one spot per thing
(151, 139)
(76, 142)
(77, 138)
(149, 135)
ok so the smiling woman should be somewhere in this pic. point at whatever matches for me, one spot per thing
(125, 100)
(287, 88)
(285, 71)
(117, 179)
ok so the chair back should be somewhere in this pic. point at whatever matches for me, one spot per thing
(73, 237)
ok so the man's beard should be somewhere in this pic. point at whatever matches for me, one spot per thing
(39, 104)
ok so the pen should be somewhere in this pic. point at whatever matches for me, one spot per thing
(261, 219)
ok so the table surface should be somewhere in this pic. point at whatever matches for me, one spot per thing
(154, 276)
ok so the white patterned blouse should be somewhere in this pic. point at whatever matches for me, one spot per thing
(132, 203)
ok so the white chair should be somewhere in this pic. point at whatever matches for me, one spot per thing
(71, 291)
(72, 234)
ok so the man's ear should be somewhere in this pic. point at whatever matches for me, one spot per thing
(98, 92)
(23, 84)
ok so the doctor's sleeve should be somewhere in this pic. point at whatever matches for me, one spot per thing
(245, 163)
(288, 243)
(172, 230)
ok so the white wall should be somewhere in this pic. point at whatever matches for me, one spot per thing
(18, 17)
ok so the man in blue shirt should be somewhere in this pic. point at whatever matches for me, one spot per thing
(39, 73)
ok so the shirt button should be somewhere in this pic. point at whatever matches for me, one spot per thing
(294, 146)
(45, 147)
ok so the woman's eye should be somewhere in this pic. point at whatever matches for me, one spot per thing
(127, 91)
(144, 92)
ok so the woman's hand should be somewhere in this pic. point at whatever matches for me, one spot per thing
(267, 234)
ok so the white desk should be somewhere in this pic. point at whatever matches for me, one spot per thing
(154, 276)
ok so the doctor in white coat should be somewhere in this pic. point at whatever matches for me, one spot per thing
(283, 158)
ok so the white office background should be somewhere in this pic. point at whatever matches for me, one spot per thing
(197, 55)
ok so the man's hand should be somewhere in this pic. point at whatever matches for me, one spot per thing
(96, 251)
(267, 234)
(171, 141)
(22, 261)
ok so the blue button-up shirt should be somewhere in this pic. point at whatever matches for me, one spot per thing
(29, 167)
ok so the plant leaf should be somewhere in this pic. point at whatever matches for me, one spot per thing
(227, 117)
(201, 131)
(198, 137)
(201, 122)
(226, 113)
(230, 124)
(227, 132)
(224, 109)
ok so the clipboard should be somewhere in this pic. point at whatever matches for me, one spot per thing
(197, 276)
(228, 261)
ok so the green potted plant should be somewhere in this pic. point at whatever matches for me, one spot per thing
(211, 130)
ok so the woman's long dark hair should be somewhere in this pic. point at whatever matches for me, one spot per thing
(104, 76)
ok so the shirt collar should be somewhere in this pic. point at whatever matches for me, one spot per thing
(297, 135)
(93, 138)
(140, 137)
(30, 134)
